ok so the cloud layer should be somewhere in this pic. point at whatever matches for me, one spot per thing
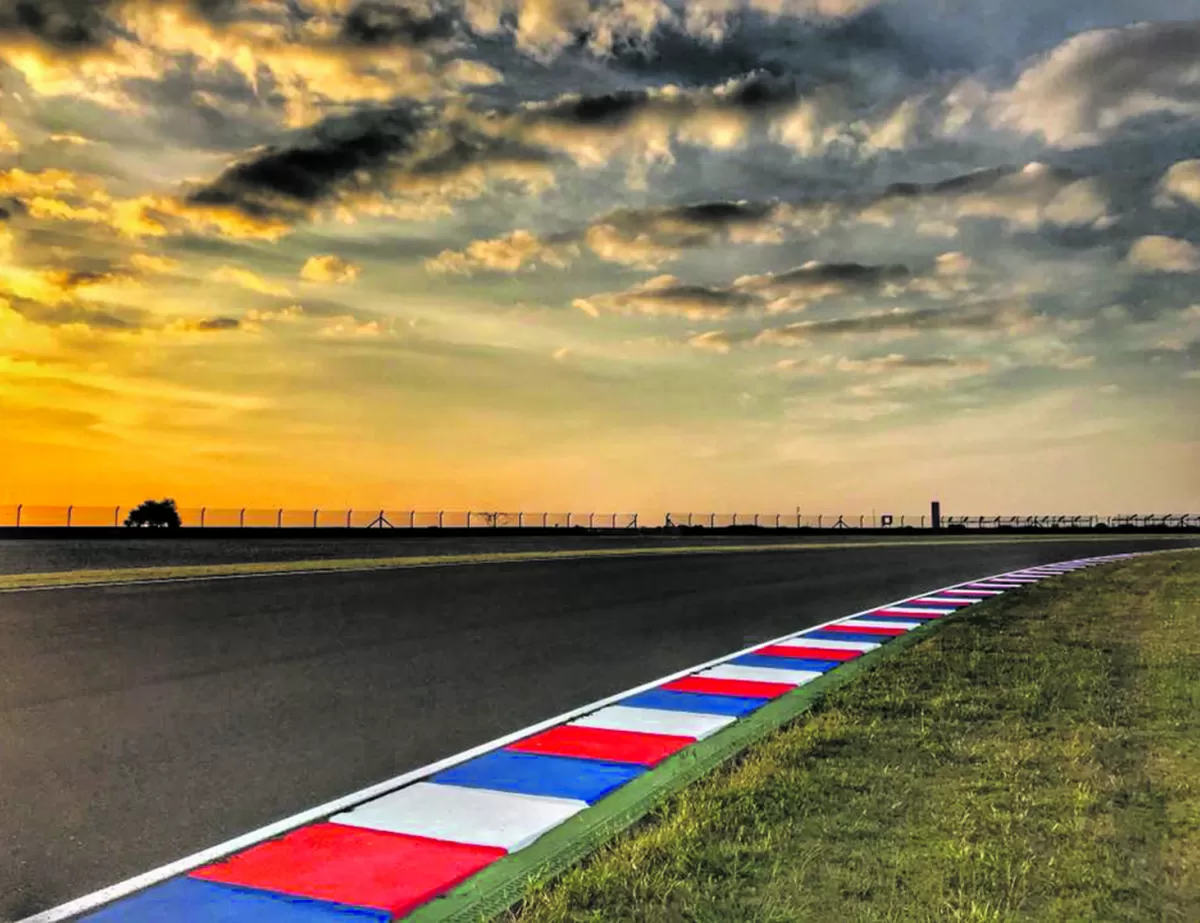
(526, 245)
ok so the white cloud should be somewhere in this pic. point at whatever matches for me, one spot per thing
(1181, 183)
(1165, 254)
(1083, 202)
(510, 253)
(329, 268)
(1094, 83)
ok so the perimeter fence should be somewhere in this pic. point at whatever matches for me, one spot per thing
(33, 516)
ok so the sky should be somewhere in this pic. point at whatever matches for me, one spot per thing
(835, 255)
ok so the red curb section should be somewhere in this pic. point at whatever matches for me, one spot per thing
(355, 866)
(747, 688)
(867, 629)
(603, 744)
(807, 653)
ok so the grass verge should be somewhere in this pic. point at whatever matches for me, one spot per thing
(175, 573)
(1037, 759)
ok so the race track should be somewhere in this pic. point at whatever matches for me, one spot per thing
(142, 723)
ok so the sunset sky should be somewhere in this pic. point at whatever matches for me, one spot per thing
(628, 255)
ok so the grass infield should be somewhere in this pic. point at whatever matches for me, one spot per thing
(1035, 759)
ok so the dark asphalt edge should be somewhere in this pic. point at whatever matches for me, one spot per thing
(198, 573)
(501, 885)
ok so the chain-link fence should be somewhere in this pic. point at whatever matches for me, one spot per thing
(32, 516)
(211, 517)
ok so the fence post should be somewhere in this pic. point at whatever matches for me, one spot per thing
(203, 509)
(860, 522)
(820, 519)
(412, 518)
(69, 510)
(316, 513)
(634, 526)
(520, 520)
(20, 506)
(922, 522)
(468, 519)
(712, 520)
(440, 513)
(756, 520)
(242, 518)
(901, 520)
(735, 519)
(349, 513)
(116, 517)
(279, 519)
(543, 520)
(568, 520)
(495, 520)
(776, 520)
(591, 519)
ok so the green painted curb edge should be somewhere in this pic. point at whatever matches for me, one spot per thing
(501, 885)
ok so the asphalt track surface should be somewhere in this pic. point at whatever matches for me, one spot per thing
(142, 723)
(56, 555)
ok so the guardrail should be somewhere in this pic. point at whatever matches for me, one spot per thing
(33, 516)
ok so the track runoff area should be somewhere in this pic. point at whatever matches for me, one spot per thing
(385, 852)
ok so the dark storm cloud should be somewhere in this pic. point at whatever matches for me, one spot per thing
(215, 324)
(380, 23)
(922, 320)
(976, 181)
(69, 25)
(689, 224)
(719, 214)
(282, 180)
(360, 154)
(605, 109)
(847, 275)
(683, 300)
(749, 93)
(79, 25)
(772, 293)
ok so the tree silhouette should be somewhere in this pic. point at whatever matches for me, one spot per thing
(161, 514)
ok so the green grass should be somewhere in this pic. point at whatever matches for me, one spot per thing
(1035, 760)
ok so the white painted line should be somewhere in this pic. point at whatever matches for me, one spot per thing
(798, 641)
(219, 851)
(947, 598)
(879, 623)
(980, 591)
(655, 721)
(760, 674)
(477, 816)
